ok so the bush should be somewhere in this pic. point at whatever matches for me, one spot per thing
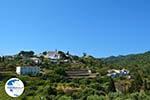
(64, 97)
(96, 97)
(52, 91)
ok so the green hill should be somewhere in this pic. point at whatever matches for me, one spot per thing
(53, 83)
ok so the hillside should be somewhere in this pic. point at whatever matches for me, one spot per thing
(131, 57)
(142, 59)
(136, 63)
(64, 76)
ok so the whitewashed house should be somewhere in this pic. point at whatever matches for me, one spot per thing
(23, 70)
(36, 60)
(113, 72)
(52, 55)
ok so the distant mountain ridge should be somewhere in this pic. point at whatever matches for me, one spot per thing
(140, 59)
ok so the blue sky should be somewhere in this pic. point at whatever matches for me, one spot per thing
(97, 27)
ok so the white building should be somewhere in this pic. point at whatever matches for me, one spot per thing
(52, 55)
(113, 72)
(36, 60)
(23, 70)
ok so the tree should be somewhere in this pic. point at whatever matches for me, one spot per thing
(44, 53)
(67, 53)
(62, 55)
(111, 87)
(26, 53)
(84, 54)
(136, 84)
(145, 85)
(60, 71)
(52, 91)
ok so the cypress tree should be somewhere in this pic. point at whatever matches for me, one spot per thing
(111, 87)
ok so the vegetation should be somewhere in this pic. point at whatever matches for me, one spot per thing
(53, 83)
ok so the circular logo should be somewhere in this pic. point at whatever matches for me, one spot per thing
(14, 87)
